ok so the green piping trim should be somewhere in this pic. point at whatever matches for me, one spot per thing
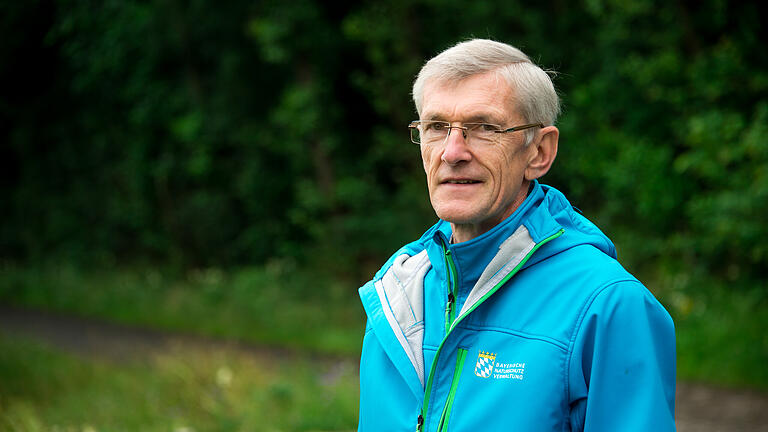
(445, 418)
(509, 276)
(428, 387)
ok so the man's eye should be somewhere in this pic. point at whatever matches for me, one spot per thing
(437, 126)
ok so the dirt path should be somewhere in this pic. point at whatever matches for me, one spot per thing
(699, 408)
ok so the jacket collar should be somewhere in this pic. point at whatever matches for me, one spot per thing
(472, 256)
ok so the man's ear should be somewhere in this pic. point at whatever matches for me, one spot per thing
(542, 153)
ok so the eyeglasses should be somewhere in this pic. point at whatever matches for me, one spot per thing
(435, 132)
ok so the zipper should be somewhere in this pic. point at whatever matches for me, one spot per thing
(450, 309)
(454, 323)
(445, 417)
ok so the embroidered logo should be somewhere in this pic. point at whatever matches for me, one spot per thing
(485, 363)
(487, 366)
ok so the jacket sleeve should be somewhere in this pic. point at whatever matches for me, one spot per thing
(622, 364)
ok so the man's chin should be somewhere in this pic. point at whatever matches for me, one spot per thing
(457, 217)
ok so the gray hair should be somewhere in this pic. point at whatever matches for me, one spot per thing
(536, 98)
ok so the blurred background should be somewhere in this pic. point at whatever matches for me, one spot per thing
(193, 191)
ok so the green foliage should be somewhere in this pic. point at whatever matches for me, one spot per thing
(224, 134)
(219, 135)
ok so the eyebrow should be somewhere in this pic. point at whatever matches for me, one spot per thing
(475, 118)
(434, 116)
(482, 118)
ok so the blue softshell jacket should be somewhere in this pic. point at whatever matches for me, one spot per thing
(532, 326)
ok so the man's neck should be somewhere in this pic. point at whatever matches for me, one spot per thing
(465, 232)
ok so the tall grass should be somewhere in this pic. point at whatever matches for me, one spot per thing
(722, 336)
(275, 305)
(181, 390)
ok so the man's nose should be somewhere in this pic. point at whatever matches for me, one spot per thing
(456, 149)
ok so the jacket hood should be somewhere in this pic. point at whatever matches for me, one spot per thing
(552, 211)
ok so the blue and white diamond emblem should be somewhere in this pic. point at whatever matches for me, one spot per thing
(485, 363)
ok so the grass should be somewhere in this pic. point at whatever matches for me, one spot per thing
(722, 338)
(722, 330)
(182, 390)
(274, 305)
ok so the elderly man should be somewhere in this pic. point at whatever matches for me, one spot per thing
(511, 313)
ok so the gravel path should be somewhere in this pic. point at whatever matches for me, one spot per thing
(699, 407)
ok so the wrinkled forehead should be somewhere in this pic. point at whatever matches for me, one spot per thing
(485, 97)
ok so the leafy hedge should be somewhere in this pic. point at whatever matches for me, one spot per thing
(229, 133)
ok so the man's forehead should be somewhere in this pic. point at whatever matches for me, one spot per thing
(485, 97)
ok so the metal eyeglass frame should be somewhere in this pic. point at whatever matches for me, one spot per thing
(464, 128)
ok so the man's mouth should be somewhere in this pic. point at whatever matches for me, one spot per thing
(461, 181)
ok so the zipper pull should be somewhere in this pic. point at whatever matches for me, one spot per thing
(419, 423)
(448, 308)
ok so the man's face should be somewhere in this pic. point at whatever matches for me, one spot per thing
(474, 185)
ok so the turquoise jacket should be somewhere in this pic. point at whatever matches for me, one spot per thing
(533, 326)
